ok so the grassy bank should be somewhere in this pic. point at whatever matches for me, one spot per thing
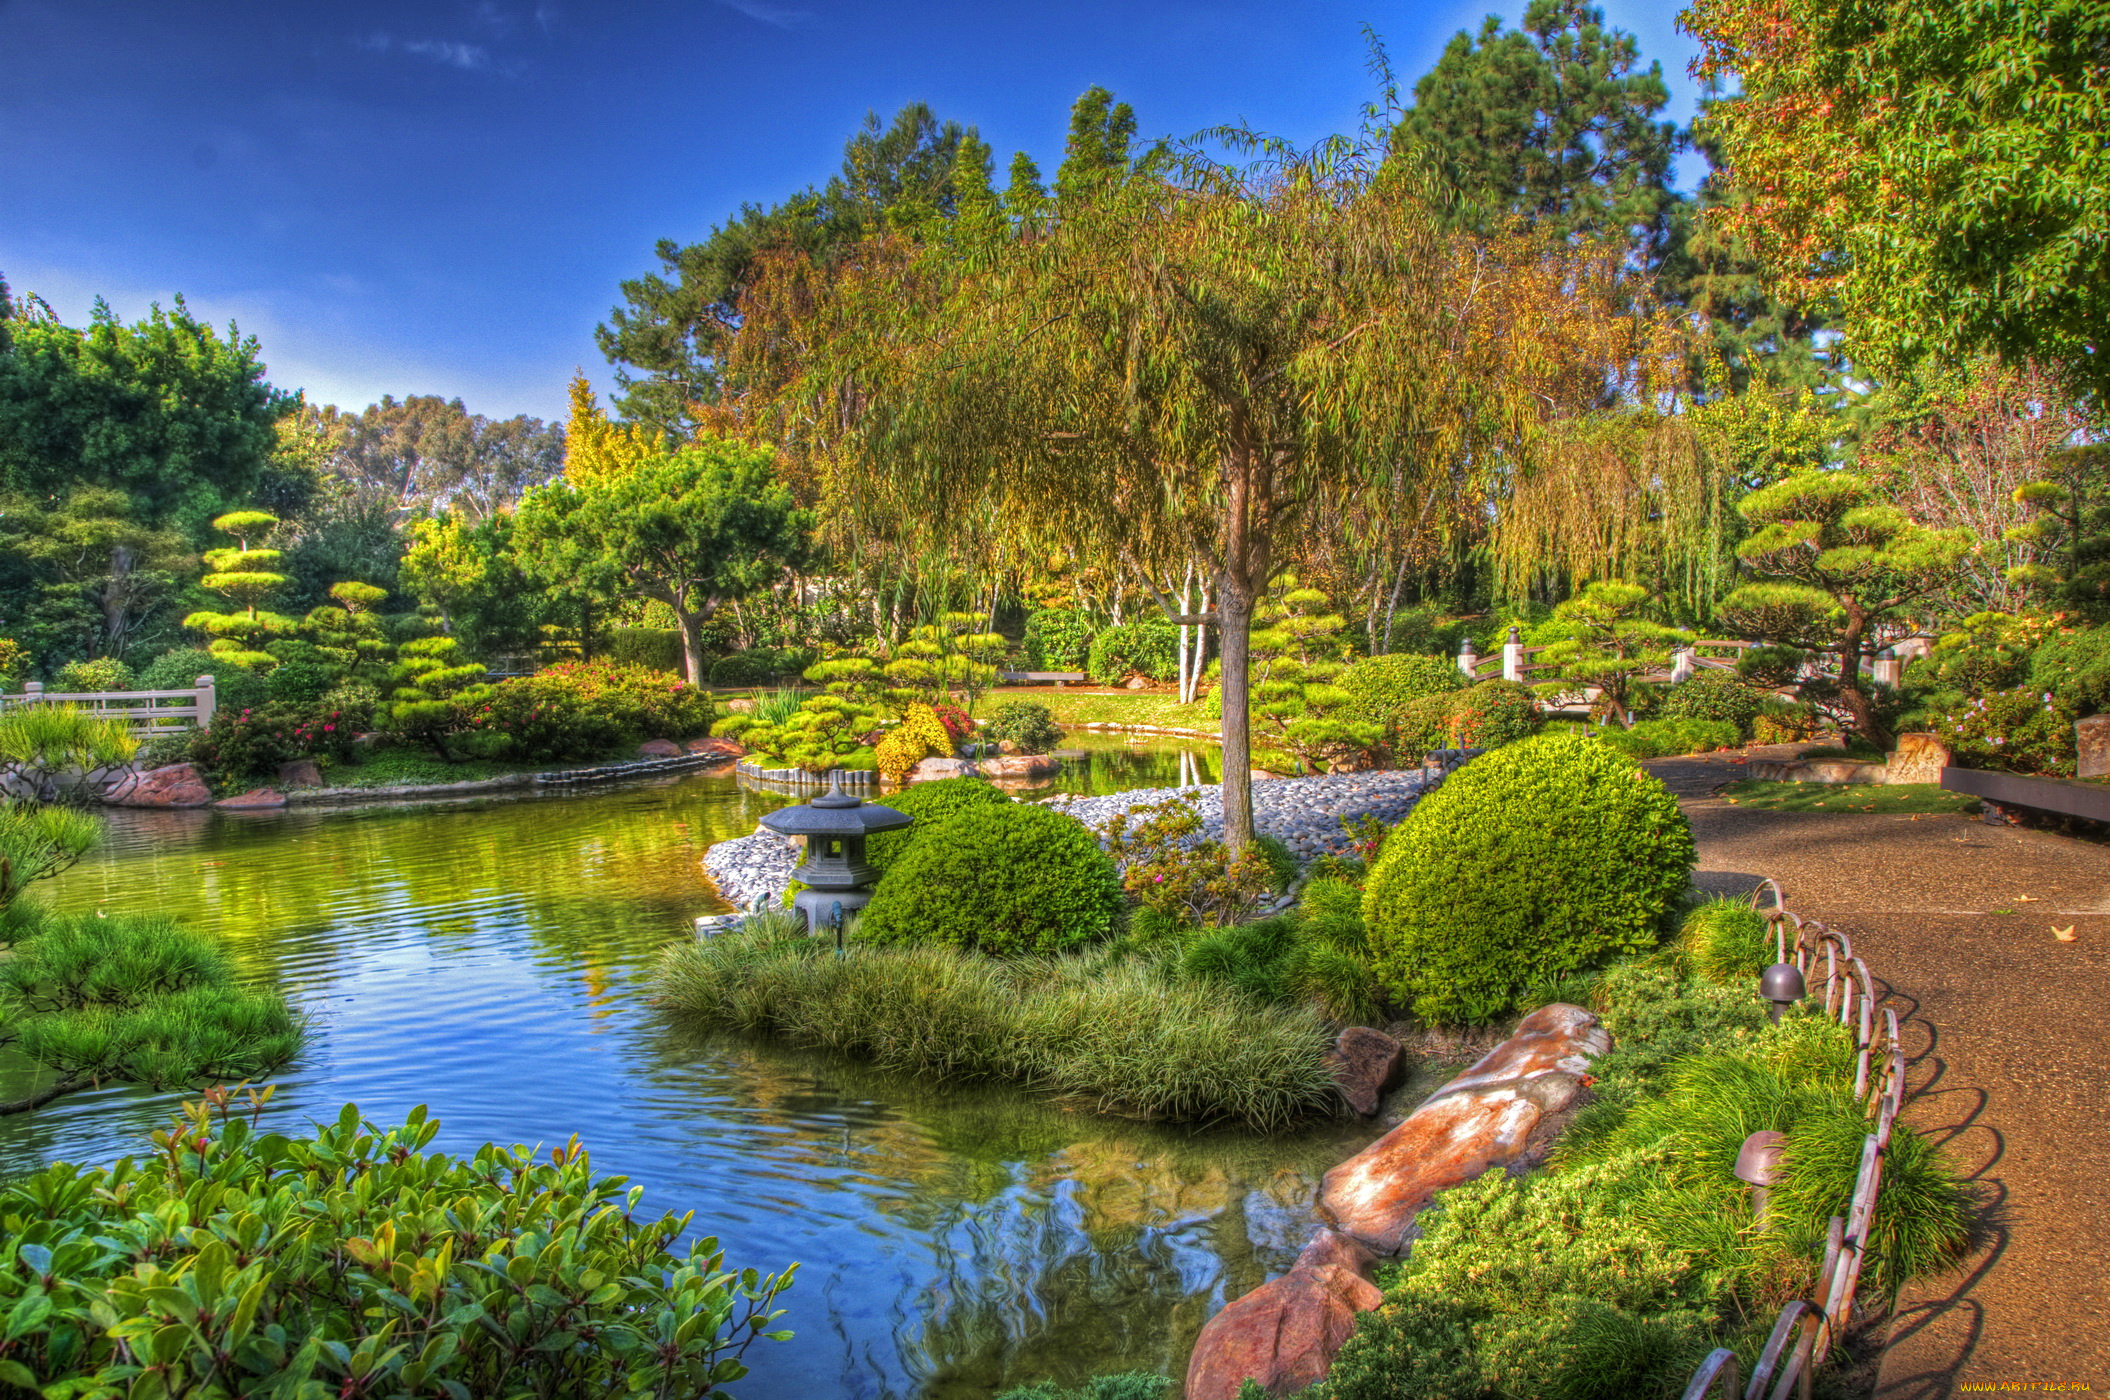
(1919, 798)
(1100, 705)
(1112, 1033)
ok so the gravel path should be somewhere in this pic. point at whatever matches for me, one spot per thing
(2003, 1024)
(1305, 812)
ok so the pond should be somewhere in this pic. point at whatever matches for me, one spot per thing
(490, 959)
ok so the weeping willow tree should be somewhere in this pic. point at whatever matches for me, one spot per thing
(1630, 494)
(1192, 361)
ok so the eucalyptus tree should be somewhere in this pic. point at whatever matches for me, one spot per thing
(1186, 359)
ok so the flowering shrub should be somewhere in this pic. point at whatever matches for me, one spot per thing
(542, 724)
(2017, 731)
(920, 735)
(958, 727)
(638, 700)
(1169, 867)
(252, 743)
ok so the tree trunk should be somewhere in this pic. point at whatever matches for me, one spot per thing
(1234, 613)
(691, 625)
(1851, 689)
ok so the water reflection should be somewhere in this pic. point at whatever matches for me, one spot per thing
(489, 959)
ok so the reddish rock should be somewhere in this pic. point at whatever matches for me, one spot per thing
(2091, 741)
(1484, 1118)
(715, 748)
(1365, 1064)
(659, 748)
(932, 770)
(1284, 1333)
(301, 772)
(177, 785)
(1024, 765)
(1136, 683)
(254, 800)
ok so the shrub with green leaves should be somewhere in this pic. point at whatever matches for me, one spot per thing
(653, 648)
(1317, 954)
(1386, 687)
(930, 804)
(1025, 723)
(1125, 1385)
(641, 702)
(1667, 738)
(2074, 665)
(1058, 639)
(1135, 648)
(1486, 716)
(756, 667)
(87, 677)
(2014, 731)
(536, 721)
(249, 745)
(1529, 864)
(233, 687)
(436, 1275)
(1009, 878)
(1771, 667)
(1721, 697)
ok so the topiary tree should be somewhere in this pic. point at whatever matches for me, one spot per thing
(1385, 688)
(930, 804)
(1058, 639)
(1711, 694)
(1610, 645)
(1134, 648)
(1528, 864)
(436, 694)
(1004, 879)
(247, 576)
(1299, 655)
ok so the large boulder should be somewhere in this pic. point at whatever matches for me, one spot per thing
(932, 770)
(301, 772)
(1919, 758)
(1284, 1333)
(1483, 1119)
(254, 800)
(1365, 1063)
(1024, 765)
(659, 748)
(177, 785)
(723, 749)
(2091, 742)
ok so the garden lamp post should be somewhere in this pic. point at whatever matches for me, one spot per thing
(1782, 984)
(1757, 1163)
(836, 875)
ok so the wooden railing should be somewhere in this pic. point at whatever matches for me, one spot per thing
(148, 712)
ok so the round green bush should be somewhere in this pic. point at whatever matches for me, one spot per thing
(1529, 864)
(233, 687)
(930, 804)
(1386, 687)
(1010, 878)
(1058, 639)
(298, 682)
(86, 677)
(1024, 723)
(2075, 668)
(757, 667)
(1710, 694)
(1150, 648)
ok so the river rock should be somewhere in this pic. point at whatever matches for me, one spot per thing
(254, 800)
(1024, 765)
(1007, 746)
(1284, 1333)
(177, 785)
(1136, 683)
(1921, 757)
(301, 772)
(724, 749)
(2091, 741)
(659, 748)
(1482, 1119)
(931, 770)
(1365, 1064)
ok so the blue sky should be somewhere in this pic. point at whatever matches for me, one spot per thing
(441, 197)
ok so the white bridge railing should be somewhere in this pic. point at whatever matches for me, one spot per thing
(148, 712)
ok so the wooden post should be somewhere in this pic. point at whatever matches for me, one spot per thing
(206, 700)
(1513, 657)
(1468, 659)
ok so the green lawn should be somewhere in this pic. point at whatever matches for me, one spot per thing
(1077, 704)
(1847, 797)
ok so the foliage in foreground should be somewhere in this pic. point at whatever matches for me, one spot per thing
(1114, 1032)
(202, 1270)
(1529, 864)
(135, 998)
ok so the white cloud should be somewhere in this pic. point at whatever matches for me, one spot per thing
(470, 58)
(766, 13)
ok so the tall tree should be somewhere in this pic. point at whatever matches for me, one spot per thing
(693, 529)
(669, 339)
(1941, 172)
(1554, 123)
(1182, 366)
(430, 453)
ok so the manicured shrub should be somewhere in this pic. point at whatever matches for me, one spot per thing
(1494, 713)
(102, 673)
(245, 745)
(1718, 696)
(1527, 865)
(233, 687)
(1003, 879)
(2075, 667)
(1316, 955)
(1783, 722)
(645, 703)
(920, 735)
(2015, 731)
(1770, 667)
(298, 682)
(1667, 738)
(930, 804)
(1058, 639)
(756, 667)
(1386, 687)
(1024, 723)
(534, 1275)
(1170, 867)
(653, 648)
(1147, 648)
(533, 721)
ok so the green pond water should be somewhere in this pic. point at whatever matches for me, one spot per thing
(490, 959)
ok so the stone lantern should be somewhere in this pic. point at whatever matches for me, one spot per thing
(835, 871)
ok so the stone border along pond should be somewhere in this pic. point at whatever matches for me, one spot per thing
(1305, 812)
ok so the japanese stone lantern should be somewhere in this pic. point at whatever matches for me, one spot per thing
(835, 871)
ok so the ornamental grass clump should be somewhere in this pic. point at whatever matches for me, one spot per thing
(1727, 942)
(1008, 878)
(1115, 1033)
(355, 1260)
(1528, 865)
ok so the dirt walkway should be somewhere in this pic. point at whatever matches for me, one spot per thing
(2009, 1060)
